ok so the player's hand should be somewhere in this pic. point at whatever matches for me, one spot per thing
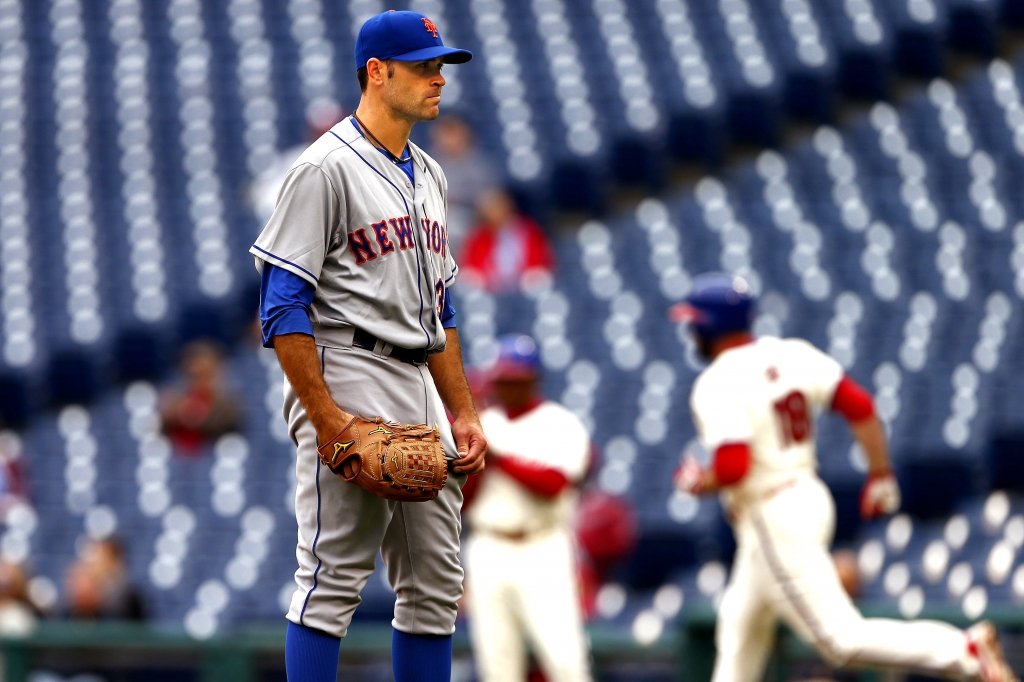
(880, 496)
(471, 444)
(689, 477)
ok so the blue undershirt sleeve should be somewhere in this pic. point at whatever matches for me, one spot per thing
(448, 312)
(285, 299)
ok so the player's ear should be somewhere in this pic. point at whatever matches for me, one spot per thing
(376, 71)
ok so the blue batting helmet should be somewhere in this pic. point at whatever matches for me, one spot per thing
(518, 358)
(717, 304)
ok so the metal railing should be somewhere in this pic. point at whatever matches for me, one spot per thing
(238, 655)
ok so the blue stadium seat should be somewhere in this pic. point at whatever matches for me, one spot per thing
(893, 242)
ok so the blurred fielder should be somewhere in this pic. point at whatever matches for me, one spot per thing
(754, 409)
(520, 572)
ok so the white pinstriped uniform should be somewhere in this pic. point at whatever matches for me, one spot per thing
(765, 394)
(524, 589)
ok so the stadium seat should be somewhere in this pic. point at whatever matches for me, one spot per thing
(131, 130)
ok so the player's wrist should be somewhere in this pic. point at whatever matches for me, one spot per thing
(690, 477)
(330, 422)
(467, 415)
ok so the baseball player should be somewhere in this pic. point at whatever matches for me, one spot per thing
(356, 272)
(754, 409)
(520, 573)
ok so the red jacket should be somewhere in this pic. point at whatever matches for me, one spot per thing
(479, 259)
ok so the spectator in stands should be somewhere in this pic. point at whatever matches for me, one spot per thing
(468, 171)
(17, 617)
(606, 534)
(507, 250)
(204, 408)
(265, 187)
(98, 586)
(12, 474)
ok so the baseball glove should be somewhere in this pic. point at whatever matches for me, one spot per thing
(403, 462)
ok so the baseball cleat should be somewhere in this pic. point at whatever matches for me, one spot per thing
(983, 643)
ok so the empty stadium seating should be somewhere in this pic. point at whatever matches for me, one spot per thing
(146, 121)
(130, 130)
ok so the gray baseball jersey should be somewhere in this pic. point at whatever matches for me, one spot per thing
(374, 246)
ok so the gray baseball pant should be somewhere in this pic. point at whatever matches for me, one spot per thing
(341, 526)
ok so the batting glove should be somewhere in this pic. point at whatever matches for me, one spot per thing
(689, 477)
(880, 496)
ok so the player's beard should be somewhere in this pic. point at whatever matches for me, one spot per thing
(408, 104)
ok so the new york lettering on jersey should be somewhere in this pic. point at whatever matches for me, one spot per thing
(435, 238)
(355, 226)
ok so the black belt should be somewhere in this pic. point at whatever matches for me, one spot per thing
(368, 341)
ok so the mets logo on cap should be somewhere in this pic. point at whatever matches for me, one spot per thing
(404, 37)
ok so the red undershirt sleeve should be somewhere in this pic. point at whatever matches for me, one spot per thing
(852, 401)
(731, 463)
(538, 479)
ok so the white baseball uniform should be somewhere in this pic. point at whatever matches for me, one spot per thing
(766, 394)
(520, 570)
(373, 245)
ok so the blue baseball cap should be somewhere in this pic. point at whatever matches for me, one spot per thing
(404, 37)
(518, 358)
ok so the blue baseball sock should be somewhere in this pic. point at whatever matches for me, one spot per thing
(310, 655)
(421, 658)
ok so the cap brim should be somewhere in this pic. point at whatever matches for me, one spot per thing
(451, 55)
(684, 312)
